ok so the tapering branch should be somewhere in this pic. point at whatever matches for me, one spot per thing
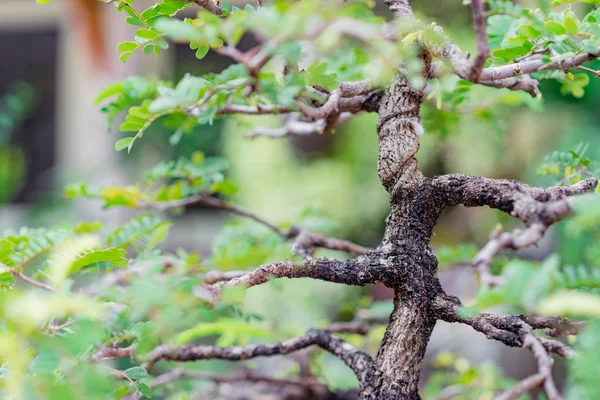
(359, 362)
(531, 66)
(210, 201)
(31, 281)
(350, 272)
(557, 327)
(538, 208)
(483, 47)
(304, 239)
(506, 329)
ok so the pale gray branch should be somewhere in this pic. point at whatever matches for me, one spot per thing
(483, 47)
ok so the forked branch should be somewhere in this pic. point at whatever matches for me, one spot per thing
(538, 208)
(507, 329)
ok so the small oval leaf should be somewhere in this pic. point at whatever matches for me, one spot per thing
(122, 144)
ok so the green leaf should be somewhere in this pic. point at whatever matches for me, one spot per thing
(528, 31)
(6, 253)
(146, 34)
(149, 48)
(109, 91)
(130, 127)
(134, 20)
(136, 373)
(125, 56)
(7, 281)
(555, 27)
(127, 46)
(138, 230)
(144, 389)
(202, 52)
(572, 24)
(113, 256)
(162, 43)
(124, 143)
(516, 40)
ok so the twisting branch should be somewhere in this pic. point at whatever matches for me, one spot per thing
(522, 387)
(360, 362)
(506, 329)
(512, 76)
(538, 208)
(483, 47)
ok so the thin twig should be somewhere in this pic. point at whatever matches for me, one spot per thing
(31, 281)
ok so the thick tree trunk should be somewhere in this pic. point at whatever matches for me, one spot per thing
(405, 249)
(402, 350)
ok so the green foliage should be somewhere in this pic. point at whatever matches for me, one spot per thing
(470, 381)
(459, 254)
(569, 167)
(244, 245)
(165, 182)
(516, 32)
(144, 231)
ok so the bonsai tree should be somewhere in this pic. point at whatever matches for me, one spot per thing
(93, 313)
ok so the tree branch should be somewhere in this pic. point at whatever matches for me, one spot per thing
(305, 240)
(544, 376)
(530, 66)
(507, 329)
(109, 353)
(349, 272)
(361, 363)
(31, 281)
(208, 5)
(295, 127)
(210, 201)
(483, 47)
(538, 208)
(511, 76)
(312, 387)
